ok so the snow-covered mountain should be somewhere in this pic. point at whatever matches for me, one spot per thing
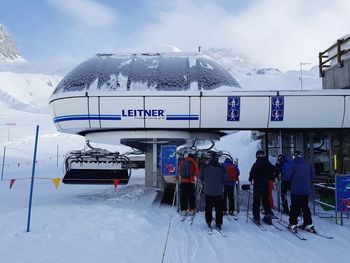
(8, 49)
(253, 76)
(232, 60)
(26, 91)
(21, 91)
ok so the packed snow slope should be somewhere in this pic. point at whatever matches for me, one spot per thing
(26, 91)
(99, 224)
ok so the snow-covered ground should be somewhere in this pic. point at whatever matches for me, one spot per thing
(100, 224)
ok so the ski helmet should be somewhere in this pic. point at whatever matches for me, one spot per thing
(297, 153)
(280, 157)
(260, 153)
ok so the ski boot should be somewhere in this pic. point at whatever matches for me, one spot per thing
(183, 215)
(190, 213)
(267, 219)
(309, 228)
(272, 216)
(256, 221)
(285, 212)
(292, 228)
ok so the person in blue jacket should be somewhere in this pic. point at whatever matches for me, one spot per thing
(300, 175)
(283, 164)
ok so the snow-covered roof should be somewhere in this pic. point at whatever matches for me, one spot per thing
(132, 72)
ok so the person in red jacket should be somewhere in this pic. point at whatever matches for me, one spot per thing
(272, 178)
(232, 173)
(188, 170)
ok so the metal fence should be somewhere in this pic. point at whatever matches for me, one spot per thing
(324, 59)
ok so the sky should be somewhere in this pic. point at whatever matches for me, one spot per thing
(275, 33)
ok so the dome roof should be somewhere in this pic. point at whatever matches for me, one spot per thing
(135, 72)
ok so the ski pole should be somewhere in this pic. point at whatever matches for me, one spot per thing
(283, 204)
(238, 198)
(248, 203)
(171, 217)
(196, 191)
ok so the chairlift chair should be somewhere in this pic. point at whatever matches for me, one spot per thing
(96, 166)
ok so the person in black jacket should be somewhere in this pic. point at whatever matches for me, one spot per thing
(259, 174)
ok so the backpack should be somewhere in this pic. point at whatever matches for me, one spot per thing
(185, 167)
(232, 172)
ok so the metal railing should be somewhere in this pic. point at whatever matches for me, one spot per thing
(333, 207)
(323, 57)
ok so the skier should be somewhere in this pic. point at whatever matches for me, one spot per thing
(300, 175)
(213, 176)
(271, 183)
(283, 164)
(188, 169)
(232, 173)
(260, 173)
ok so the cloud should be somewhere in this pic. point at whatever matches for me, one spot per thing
(90, 12)
(278, 33)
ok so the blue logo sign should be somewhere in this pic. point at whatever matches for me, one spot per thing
(168, 161)
(233, 108)
(277, 108)
(342, 188)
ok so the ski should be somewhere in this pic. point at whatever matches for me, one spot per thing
(294, 233)
(278, 228)
(190, 218)
(321, 235)
(233, 217)
(258, 225)
(183, 218)
(273, 225)
(316, 233)
(221, 232)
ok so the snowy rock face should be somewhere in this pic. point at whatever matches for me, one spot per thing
(8, 49)
(238, 62)
(232, 60)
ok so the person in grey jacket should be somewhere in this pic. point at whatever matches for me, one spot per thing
(213, 176)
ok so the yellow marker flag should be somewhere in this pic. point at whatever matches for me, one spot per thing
(56, 182)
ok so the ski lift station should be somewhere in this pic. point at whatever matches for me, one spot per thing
(148, 100)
